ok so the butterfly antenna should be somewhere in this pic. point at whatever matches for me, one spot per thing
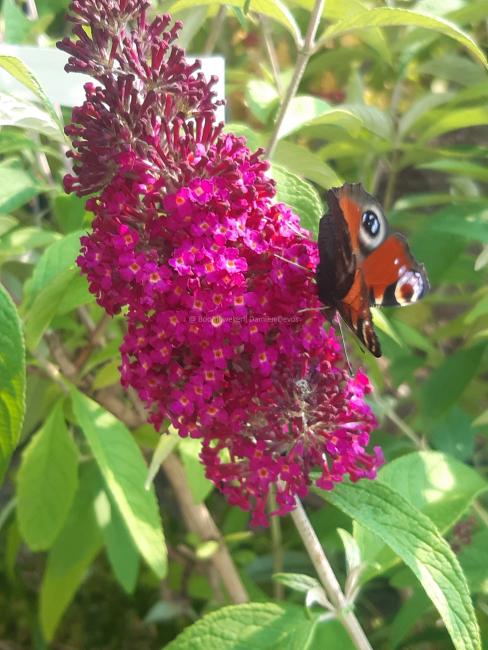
(292, 262)
(301, 311)
(346, 356)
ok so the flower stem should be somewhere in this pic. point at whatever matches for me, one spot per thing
(328, 579)
(303, 57)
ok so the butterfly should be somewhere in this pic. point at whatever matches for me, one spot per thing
(361, 264)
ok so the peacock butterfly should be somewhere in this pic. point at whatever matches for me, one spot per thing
(361, 264)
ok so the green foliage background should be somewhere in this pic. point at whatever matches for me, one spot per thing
(395, 96)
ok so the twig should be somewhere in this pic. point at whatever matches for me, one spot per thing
(96, 339)
(303, 57)
(328, 579)
(270, 49)
(277, 548)
(215, 31)
(199, 520)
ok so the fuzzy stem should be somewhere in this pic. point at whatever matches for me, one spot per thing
(303, 57)
(328, 579)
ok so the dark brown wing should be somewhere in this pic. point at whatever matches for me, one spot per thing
(335, 272)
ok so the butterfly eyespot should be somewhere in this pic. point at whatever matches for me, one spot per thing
(371, 223)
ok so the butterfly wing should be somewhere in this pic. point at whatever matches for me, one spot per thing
(392, 275)
(356, 313)
(336, 269)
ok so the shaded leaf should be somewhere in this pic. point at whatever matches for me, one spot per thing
(74, 550)
(47, 482)
(12, 379)
(122, 554)
(448, 381)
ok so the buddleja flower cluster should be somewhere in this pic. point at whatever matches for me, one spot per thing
(214, 278)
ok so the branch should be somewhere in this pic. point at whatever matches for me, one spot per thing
(302, 59)
(199, 520)
(328, 579)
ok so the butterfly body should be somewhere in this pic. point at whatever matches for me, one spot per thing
(362, 264)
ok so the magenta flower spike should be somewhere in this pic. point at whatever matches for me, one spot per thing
(211, 274)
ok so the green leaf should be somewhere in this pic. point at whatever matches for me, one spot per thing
(21, 72)
(260, 626)
(453, 120)
(12, 379)
(274, 9)
(449, 380)
(297, 581)
(122, 554)
(311, 111)
(468, 221)
(25, 114)
(300, 196)
(391, 17)
(262, 98)
(47, 482)
(199, 485)
(7, 223)
(454, 68)
(69, 211)
(441, 487)
(124, 472)
(303, 162)
(74, 550)
(66, 290)
(415, 539)
(474, 560)
(58, 257)
(454, 434)
(17, 186)
(458, 167)
(17, 25)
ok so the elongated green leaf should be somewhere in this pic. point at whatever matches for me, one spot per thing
(260, 626)
(67, 290)
(124, 472)
(22, 113)
(21, 72)
(448, 381)
(274, 9)
(390, 17)
(17, 186)
(469, 221)
(122, 554)
(303, 162)
(458, 167)
(297, 581)
(17, 25)
(56, 258)
(74, 550)
(439, 486)
(416, 540)
(453, 120)
(311, 111)
(47, 482)
(261, 97)
(12, 379)
(300, 196)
